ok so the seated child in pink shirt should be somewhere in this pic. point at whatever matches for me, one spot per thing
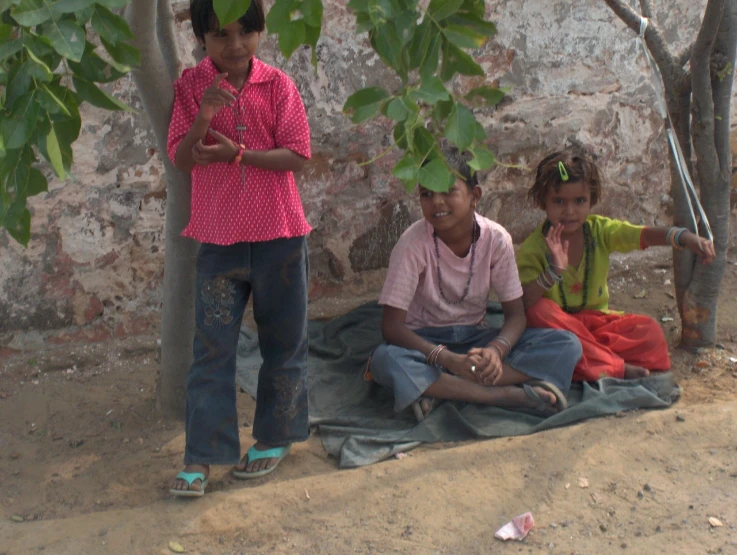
(435, 299)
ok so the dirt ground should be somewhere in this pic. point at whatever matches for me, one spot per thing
(85, 464)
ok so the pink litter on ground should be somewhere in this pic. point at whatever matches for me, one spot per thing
(517, 529)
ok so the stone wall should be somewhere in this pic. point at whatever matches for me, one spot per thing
(94, 266)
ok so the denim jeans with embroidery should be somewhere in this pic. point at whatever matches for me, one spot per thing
(275, 273)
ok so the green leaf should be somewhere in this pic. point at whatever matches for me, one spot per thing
(420, 43)
(83, 16)
(95, 69)
(443, 109)
(279, 16)
(405, 25)
(475, 7)
(461, 127)
(440, 9)
(291, 37)
(400, 136)
(363, 104)
(19, 82)
(457, 61)
(67, 38)
(17, 129)
(7, 4)
(109, 26)
(429, 63)
(491, 95)
(312, 35)
(312, 12)
(473, 23)
(388, 45)
(483, 158)
(407, 168)
(51, 102)
(228, 11)
(423, 142)
(359, 5)
(364, 23)
(123, 54)
(43, 71)
(396, 110)
(432, 91)
(464, 37)
(54, 153)
(30, 13)
(2, 147)
(436, 176)
(20, 228)
(8, 49)
(89, 92)
(69, 6)
(113, 4)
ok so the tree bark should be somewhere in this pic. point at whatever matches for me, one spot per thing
(713, 53)
(154, 79)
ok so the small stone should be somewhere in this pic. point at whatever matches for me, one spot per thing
(690, 507)
(647, 487)
(715, 522)
(680, 418)
(16, 518)
(624, 546)
(602, 527)
(102, 532)
(658, 528)
(640, 495)
(74, 443)
(564, 524)
(553, 525)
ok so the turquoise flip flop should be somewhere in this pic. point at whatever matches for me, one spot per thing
(190, 478)
(253, 455)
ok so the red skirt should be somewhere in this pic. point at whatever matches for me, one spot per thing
(608, 340)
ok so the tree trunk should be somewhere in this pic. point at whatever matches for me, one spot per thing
(700, 112)
(152, 25)
(714, 51)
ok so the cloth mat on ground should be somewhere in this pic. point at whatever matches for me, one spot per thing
(356, 420)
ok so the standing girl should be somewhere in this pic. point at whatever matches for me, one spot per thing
(435, 298)
(240, 128)
(564, 266)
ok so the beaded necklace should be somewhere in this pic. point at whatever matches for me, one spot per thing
(474, 237)
(587, 248)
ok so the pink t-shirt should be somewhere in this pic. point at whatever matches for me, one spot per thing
(232, 204)
(412, 280)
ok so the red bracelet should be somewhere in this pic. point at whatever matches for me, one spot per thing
(238, 157)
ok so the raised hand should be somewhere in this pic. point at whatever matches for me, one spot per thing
(215, 98)
(558, 248)
(224, 151)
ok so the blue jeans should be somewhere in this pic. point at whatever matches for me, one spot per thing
(542, 354)
(276, 273)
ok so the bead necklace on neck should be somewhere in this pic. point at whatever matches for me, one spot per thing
(475, 233)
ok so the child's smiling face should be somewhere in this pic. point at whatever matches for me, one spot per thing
(231, 48)
(569, 205)
(445, 211)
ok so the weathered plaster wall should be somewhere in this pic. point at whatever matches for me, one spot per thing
(95, 263)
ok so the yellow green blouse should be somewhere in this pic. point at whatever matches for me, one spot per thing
(607, 235)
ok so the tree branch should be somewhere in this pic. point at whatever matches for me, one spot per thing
(653, 38)
(703, 106)
(684, 56)
(722, 83)
(647, 9)
(167, 34)
(152, 77)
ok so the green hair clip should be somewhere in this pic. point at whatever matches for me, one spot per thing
(563, 171)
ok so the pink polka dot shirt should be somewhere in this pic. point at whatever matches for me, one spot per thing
(233, 204)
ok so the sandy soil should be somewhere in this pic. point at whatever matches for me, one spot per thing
(85, 464)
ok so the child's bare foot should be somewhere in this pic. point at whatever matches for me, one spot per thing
(182, 485)
(632, 372)
(423, 407)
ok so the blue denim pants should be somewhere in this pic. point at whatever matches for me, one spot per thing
(542, 354)
(275, 273)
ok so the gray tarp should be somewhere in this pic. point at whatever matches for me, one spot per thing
(358, 425)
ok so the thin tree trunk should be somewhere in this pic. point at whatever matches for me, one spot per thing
(154, 79)
(714, 52)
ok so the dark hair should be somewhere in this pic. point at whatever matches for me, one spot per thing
(578, 167)
(204, 19)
